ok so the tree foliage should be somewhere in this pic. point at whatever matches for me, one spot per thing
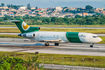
(28, 6)
(2, 4)
(13, 6)
(88, 7)
(78, 20)
(18, 66)
(16, 63)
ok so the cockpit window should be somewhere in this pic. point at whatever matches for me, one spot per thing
(95, 36)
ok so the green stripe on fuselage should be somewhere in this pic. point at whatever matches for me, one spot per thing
(73, 37)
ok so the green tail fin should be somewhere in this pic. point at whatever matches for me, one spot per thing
(23, 27)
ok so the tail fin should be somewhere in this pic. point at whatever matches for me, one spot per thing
(23, 27)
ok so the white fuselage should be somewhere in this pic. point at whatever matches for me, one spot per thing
(63, 37)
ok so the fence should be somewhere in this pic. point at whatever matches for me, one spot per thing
(64, 65)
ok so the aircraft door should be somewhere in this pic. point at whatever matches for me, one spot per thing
(38, 37)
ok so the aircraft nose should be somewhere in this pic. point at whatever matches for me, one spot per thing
(100, 40)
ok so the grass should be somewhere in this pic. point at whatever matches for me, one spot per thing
(57, 25)
(68, 25)
(16, 30)
(78, 60)
(10, 36)
(9, 30)
(98, 31)
(62, 59)
(7, 25)
(103, 40)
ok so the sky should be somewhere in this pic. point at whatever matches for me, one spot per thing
(55, 3)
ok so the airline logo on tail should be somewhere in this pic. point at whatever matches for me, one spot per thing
(25, 26)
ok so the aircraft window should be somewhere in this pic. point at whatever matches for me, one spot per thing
(95, 36)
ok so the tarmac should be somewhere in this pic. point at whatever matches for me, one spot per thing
(26, 45)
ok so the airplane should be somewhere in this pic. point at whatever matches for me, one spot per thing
(33, 33)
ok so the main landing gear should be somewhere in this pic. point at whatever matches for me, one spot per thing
(56, 44)
(92, 45)
(47, 44)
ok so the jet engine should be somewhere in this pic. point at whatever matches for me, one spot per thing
(35, 28)
(27, 35)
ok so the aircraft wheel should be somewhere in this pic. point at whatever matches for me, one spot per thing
(46, 44)
(56, 44)
(91, 45)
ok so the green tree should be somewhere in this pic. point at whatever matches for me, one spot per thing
(15, 6)
(67, 10)
(78, 16)
(1, 68)
(53, 19)
(36, 8)
(48, 20)
(16, 63)
(65, 7)
(28, 6)
(2, 4)
(14, 12)
(89, 21)
(26, 16)
(18, 66)
(34, 63)
(8, 5)
(88, 7)
(6, 65)
(43, 20)
(7, 17)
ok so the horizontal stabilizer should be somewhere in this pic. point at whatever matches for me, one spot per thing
(14, 21)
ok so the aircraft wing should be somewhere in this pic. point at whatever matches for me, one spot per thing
(56, 40)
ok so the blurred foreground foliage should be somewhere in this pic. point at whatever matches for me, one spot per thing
(30, 61)
(17, 63)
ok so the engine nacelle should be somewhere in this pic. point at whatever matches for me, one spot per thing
(35, 28)
(27, 35)
(30, 35)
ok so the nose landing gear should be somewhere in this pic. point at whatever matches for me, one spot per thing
(92, 45)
